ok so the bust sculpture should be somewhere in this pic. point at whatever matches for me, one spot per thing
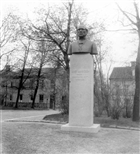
(81, 87)
(82, 45)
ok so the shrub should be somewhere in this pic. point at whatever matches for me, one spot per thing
(115, 112)
(128, 107)
(127, 114)
(96, 113)
(64, 105)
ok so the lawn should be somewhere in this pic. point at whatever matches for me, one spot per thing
(103, 120)
(35, 138)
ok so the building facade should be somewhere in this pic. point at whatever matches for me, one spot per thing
(50, 90)
(122, 85)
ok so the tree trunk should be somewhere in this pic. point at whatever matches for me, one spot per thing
(67, 92)
(136, 105)
(19, 89)
(35, 93)
(5, 101)
(137, 94)
(37, 85)
(42, 50)
(66, 58)
(18, 93)
(21, 78)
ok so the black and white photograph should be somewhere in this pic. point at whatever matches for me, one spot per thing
(69, 77)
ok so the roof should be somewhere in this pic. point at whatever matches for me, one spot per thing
(46, 72)
(121, 73)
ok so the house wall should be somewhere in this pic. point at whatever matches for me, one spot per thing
(46, 91)
(59, 93)
(123, 90)
(26, 96)
(123, 85)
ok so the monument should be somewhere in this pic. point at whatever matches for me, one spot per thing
(81, 95)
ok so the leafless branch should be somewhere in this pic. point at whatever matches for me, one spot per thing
(6, 53)
(117, 30)
(126, 15)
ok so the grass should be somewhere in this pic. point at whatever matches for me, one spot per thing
(34, 138)
(103, 120)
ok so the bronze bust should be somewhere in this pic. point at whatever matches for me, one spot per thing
(82, 45)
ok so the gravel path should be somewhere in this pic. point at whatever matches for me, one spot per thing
(24, 114)
(41, 138)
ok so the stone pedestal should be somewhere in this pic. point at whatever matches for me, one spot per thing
(81, 101)
(89, 129)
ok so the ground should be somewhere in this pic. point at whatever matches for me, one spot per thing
(22, 137)
(103, 120)
(35, 138)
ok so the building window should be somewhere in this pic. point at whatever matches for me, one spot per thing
(41, 84)
(41, 98)
(31, 97)
(31, 84)
(11, 84)
(11, 97)
(20, 97)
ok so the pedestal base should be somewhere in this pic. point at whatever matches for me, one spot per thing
(91, 129)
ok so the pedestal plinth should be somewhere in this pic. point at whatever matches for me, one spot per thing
(81, 96)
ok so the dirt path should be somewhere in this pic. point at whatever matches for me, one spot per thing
(24, 114)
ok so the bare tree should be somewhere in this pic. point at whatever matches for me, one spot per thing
(58, 29)
(7, 30)
(55, 30)
(102, 91)
(134, 20)
(26, 50)
(116, 102)
(7, 35)
(42, 58)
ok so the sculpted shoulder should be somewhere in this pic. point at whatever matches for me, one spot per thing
(86, 42)
(82, 47)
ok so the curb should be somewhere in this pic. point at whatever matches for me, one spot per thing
(120, 127)
(41, 121)
(60, 123)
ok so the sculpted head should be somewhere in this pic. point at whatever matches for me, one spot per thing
(82, 31)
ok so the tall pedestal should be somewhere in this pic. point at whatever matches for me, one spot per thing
(81, 101)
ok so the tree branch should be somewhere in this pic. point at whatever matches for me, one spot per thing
(125, 14)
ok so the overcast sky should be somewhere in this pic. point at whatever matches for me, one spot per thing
(122, 43)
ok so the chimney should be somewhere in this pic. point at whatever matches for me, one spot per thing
(133, 65)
